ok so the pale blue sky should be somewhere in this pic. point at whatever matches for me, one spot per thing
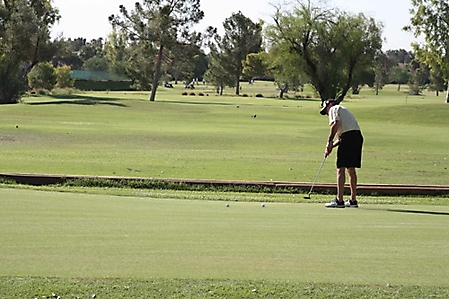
(89, 18)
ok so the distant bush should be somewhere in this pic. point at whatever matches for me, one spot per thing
(201, 94)
(43, 91)
(244, 95)
(42, 75)
(259, 95)
(63, 77)
(192, 94)
(184, 93)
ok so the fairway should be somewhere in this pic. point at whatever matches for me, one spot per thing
(54, 234)
(218, 138)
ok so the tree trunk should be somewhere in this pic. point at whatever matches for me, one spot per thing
(237, 87)
(283, 90)
(447, 93)
(157, 74)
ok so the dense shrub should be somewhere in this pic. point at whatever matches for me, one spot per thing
(42, 76)
(12, 85)
(63, 77)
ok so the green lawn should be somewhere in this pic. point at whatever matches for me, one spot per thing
(166, 244)
(212, 137)
(70, 235)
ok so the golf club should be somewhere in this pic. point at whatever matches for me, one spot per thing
(313, 184)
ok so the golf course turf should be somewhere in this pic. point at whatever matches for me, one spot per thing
(71, 235)
(76, 242)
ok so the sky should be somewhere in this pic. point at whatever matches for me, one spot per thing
(89, 18)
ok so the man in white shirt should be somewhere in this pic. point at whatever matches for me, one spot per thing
(344, 126)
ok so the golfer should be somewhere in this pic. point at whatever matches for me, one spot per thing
(344, 133)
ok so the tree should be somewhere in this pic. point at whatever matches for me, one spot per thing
(42, 76)
(362, 77)
(399, 75)
(63, 77)
(185, 62)
(381, 66)
(24, 42)
(284, 69)
(130, 58)
(217, 74)
(159, 25)
(27, 30)
(400, 56)
(96, 63)
(430, 19)
(330, 46)
(255, 66)
(242, 37)
(11, 82)
(437, 82)
(419, 77)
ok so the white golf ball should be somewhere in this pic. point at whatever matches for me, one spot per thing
(263, 205)
(227, 205)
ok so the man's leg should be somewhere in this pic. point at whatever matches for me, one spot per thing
(341, 177)
(353, 182)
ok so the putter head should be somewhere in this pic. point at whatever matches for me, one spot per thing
(307, 196)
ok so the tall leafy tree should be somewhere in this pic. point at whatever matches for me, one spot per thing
(131, 58)
(217, 74)
(285, 69)
(159, 25)
(437, 82)
(241, 37)
(255, 65)
(430, 18)
(362, 77)
(24, 42)
(381, 69)
(329, 45)
(419, 77)
(399, 75)
(27, 30)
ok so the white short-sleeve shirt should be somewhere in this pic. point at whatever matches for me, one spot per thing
(346, 119)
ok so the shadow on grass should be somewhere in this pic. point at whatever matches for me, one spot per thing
(418, 212)
(79, 100)
(230, 104)
(197, 103)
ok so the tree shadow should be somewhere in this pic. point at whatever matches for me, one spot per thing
(78, 100)
(197, 103)
(418, 212)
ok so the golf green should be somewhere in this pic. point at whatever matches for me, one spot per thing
(56, 234)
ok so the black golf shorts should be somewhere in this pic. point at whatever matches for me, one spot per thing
(349, 152)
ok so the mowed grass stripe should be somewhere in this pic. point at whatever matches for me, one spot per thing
(51, 234)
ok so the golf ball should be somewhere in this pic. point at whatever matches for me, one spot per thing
(227, 205)
(263, 205)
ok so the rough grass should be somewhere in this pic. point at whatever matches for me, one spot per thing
(29, 287)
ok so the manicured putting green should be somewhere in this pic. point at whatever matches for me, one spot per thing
(53, 234)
